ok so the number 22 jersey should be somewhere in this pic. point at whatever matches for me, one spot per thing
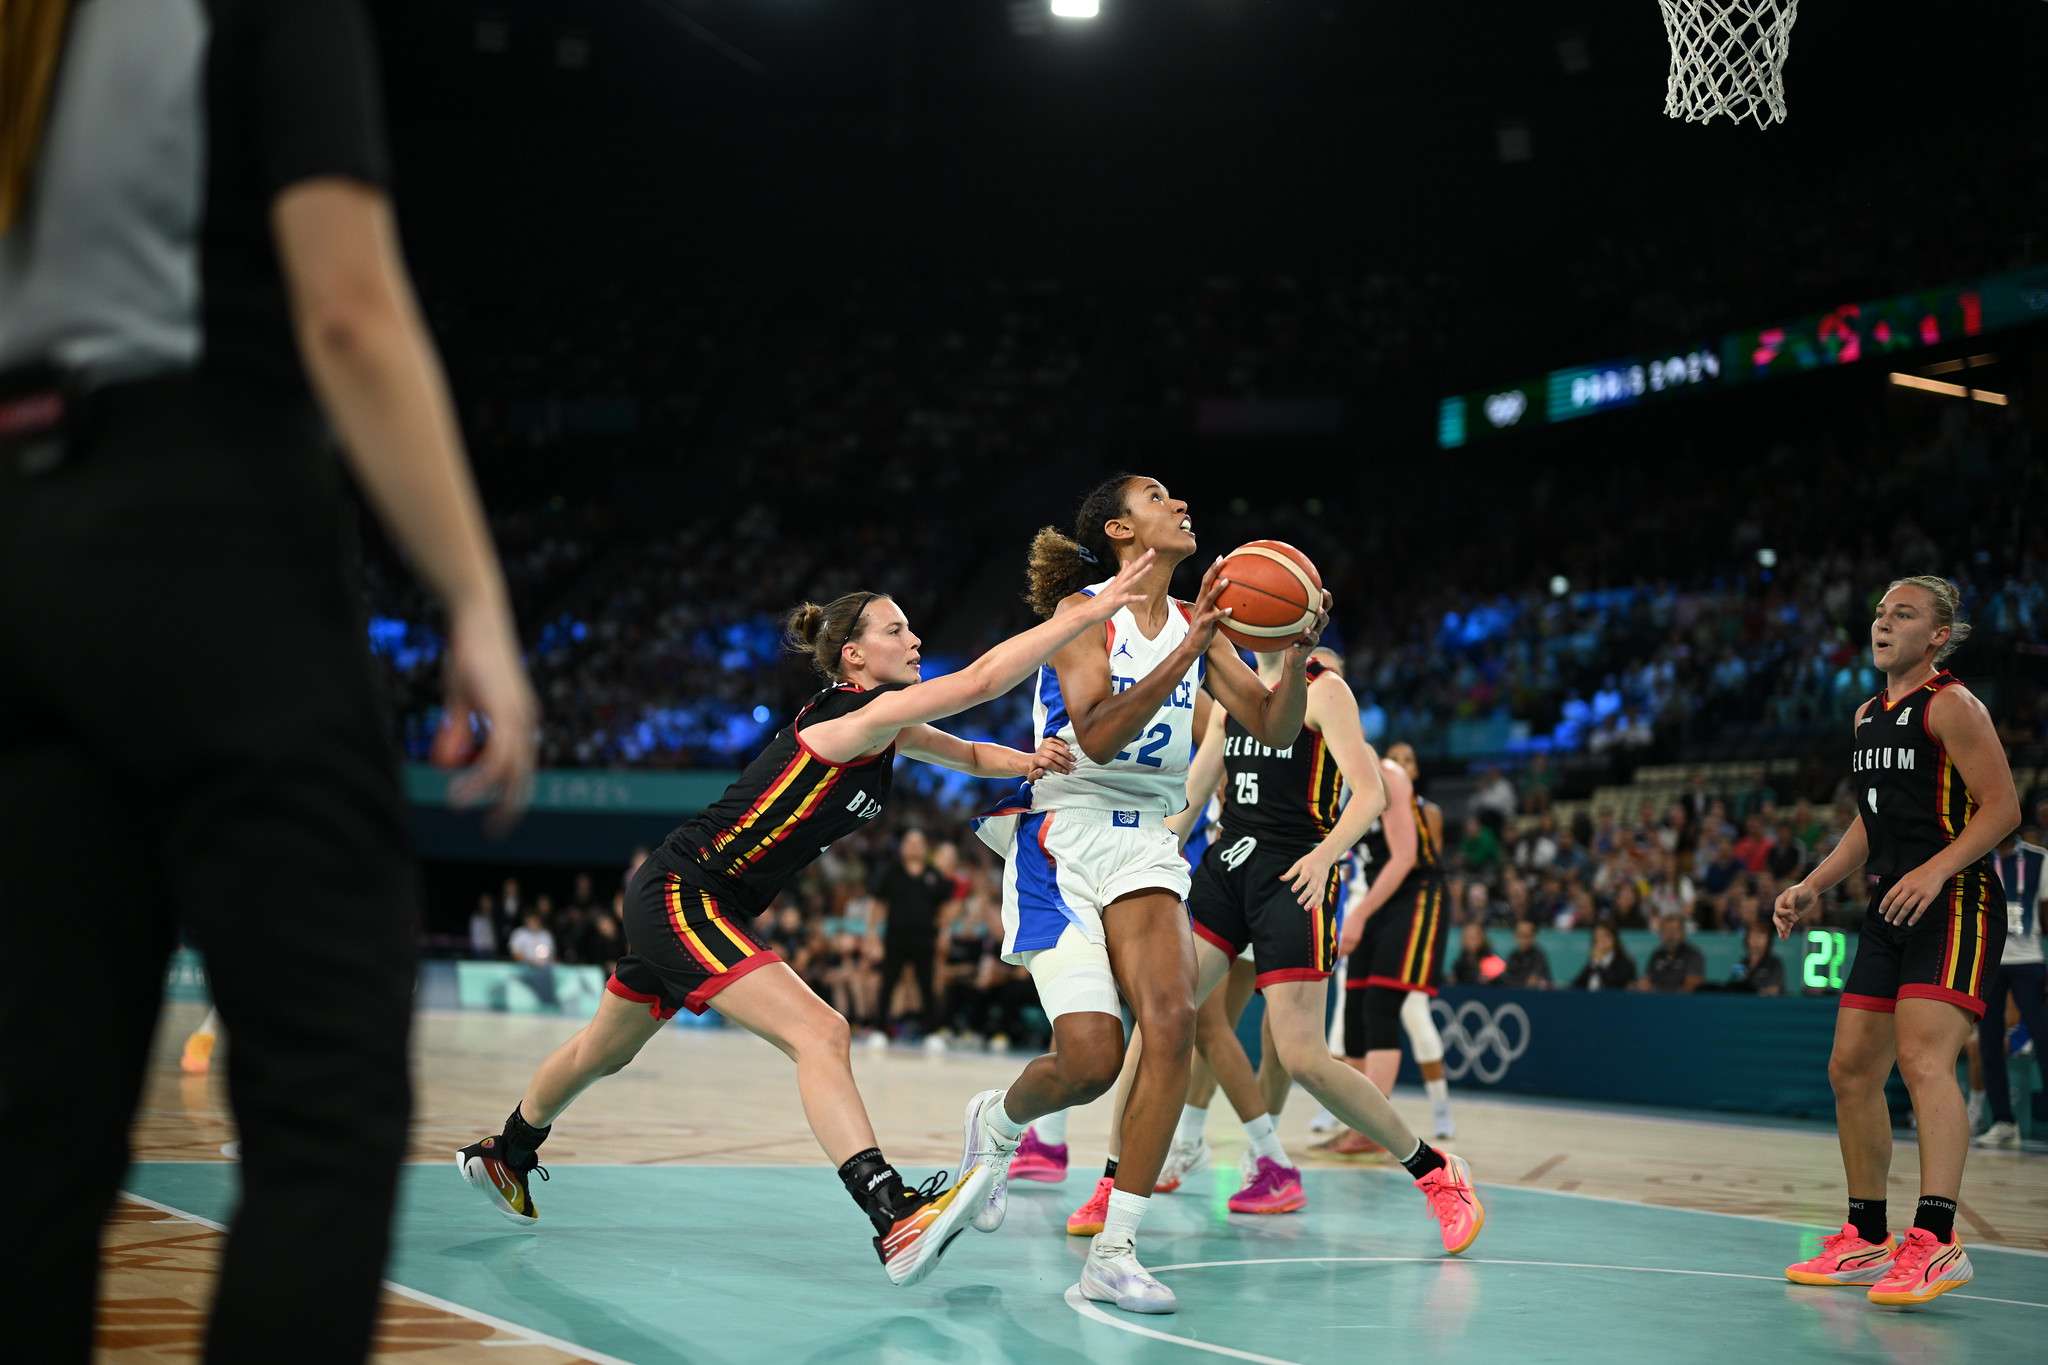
(1150, 774)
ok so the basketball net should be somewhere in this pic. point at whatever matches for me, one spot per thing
(1728, 57)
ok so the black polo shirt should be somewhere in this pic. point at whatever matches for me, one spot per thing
(173, 125)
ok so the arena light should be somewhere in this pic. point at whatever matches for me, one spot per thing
(1914, 381)
(1987, 396)
(1076, 9)
(1767, 557)
(1559, 585)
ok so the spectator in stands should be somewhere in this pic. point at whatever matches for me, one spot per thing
(1671, 891)
(533, 943)
(483, 934)
(1696, 799)
(604, 940)
(1676, 967)
(1807, 825)
(1571, 860)
(1495, 801)
(1754, 798)
(1716, 865)
(511, 909)
(1581, 910)
(1535, 848)
(1610, 968)
(1480, 850)
(1742, 906)
(1476, 964)
(1753, 849)
(1478, 902)
(1718, 823)
(1787, 858)
(1607, 836)
(971, 940)
(1628, 906)
(1759, 971)
(1538, 784)
(1528, 966)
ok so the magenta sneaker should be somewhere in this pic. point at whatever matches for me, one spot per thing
(1273, 1188)
(1036, 1160)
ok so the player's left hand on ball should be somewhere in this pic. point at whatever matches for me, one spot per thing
(1910, 896)
(1314, 634)
(1307, 878)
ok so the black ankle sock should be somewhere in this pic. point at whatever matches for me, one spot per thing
(1425, 1160)
(1938, 1216)
(1109, 1168)
(1867, 1216)
(876, 1186)
(522, 1138)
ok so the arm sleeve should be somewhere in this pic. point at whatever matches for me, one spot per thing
(318, 102)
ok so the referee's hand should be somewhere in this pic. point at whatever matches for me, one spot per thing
(490, 718)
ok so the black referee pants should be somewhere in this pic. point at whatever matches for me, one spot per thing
(191, 733)
(917, 953)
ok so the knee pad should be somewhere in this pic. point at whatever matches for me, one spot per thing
(1423, 1039)
(1382, 1018)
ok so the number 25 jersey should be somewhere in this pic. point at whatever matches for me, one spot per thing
(1150, 774)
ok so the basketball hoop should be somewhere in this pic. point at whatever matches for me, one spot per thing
(1728, 57)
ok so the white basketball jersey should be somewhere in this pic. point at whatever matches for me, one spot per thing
(1150, 774)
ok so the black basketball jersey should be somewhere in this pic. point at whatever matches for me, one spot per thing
(1285, 798)
(785, 809)
(1911, 797)
(1428, 857)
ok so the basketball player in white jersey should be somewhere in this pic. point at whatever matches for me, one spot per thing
(1094, 880)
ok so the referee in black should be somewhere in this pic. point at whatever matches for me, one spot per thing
(198, 262)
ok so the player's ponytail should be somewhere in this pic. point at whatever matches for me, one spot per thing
(31, 40)
(1063, 565)
(1948, 609)
(822, 632)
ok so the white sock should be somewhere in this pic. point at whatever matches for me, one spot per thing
(1120, 1224)
(1264, 1140)
(1051, 1128)
(999, 1121)
(1439, 1090)
(1189, 1131)
(210, 1025)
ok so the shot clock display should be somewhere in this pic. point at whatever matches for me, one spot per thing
(1840, 336)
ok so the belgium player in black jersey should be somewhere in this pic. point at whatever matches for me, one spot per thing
(1934, 797)
(689, 907)
(1270, 879)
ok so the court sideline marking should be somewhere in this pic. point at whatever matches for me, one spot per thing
(530, 1336)
(1123, 1324)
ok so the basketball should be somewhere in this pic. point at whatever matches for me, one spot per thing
(1273, 595)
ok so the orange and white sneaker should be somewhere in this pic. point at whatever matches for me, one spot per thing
(1453, 1203)
(198, 1058)
(491, 1171)
(934, 1216)
(1087, 1220)
(1924, 1269)
(1846, 1258)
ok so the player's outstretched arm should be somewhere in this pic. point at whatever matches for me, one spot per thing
(1797, 901)
(1958, 722)
(979, 758)
(876, 725)
(1334, 712)
(1398, 821)
(1205, 770)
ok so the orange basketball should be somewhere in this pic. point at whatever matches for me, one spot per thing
(1273, 595)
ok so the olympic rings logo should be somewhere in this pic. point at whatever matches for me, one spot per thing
(1486, 1042)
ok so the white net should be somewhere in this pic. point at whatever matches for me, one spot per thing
(1728, 57)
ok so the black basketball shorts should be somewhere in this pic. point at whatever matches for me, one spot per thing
(1950, 954)
(1237, 898)
(684, 945)
(1403, 945)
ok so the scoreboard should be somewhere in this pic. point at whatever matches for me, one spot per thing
(1840, 336)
